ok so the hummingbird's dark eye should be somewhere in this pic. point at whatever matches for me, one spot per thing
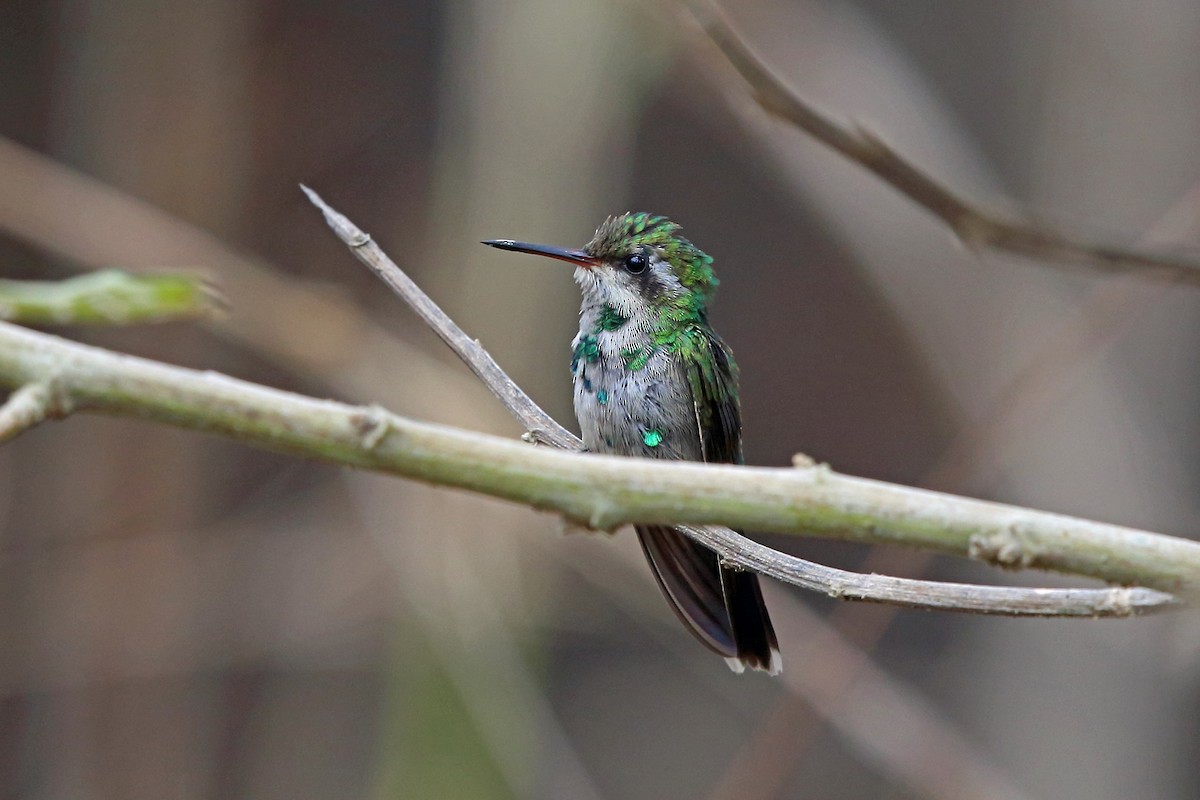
(635, 263)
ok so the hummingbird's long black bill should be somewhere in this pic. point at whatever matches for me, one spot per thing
(576, 257)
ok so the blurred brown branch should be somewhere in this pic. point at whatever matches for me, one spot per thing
(976, 456)
(943, 762)
(974, 226)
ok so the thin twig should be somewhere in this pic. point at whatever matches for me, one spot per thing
(975, 227)
(541, 427)
(735, 548)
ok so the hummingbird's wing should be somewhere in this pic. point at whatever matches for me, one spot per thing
(723, 607)
(713, 379)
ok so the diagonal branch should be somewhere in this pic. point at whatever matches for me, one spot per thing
(737, 549)
(541, 426)
(974, 226)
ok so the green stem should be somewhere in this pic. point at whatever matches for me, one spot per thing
(107, 297)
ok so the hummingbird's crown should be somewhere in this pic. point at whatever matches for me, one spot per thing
(620, 235)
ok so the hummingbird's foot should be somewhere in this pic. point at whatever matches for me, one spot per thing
(536, 436)
(570, 527)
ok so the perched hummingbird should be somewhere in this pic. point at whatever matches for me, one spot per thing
(653, 379)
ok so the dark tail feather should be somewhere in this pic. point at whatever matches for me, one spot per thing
(757, 646)
(689, 576)
(723, 608)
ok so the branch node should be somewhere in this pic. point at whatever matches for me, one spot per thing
(1005, 548)
(803, 461)
(372, 425)
(573, 527)
(973, 230)
(872, 150)
(604, 516)
(1117, 603)
(728, 562)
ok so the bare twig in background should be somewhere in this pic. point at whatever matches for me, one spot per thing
(836, 582)
(1108, 311)
(974, 226)
(926, 752)
(767, 758)
(1103, 316)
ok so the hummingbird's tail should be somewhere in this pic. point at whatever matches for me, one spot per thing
(722, 607)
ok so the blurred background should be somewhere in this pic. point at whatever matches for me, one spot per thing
(184, 617)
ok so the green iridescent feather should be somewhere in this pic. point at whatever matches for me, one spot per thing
(712, 378)
(621, 235)
(610, 319)
(586, 349)
(636, 358)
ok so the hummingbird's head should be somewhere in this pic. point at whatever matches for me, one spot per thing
(637, 260)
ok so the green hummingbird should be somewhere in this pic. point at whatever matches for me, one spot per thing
(654, 380)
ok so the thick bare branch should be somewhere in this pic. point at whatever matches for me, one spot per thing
(607, 491)
(974, 226)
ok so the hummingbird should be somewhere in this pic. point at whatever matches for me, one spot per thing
(652, 379)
